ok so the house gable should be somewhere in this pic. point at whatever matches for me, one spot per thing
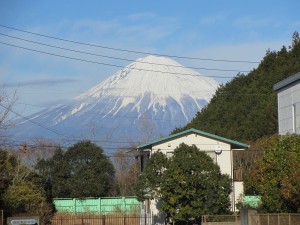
(209, 143)
(234, 144)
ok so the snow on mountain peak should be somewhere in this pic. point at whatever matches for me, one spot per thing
(146, 99)
(160, 76)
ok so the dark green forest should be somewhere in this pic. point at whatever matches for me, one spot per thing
(245, 108)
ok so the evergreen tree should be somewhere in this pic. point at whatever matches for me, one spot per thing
(82, 171)
(188, 184)
(276, 175)
(245, 108)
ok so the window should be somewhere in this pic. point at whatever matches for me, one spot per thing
(169, 154)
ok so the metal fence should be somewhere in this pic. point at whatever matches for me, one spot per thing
(275, 219)
(97, 205)
(121, 219)
(221, 219)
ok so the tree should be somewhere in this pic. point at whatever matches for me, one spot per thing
(249, 100)
(20, 191)
(149, 182)
(126, 172)
(276, 175)
(82, 171)
(189, 184)
(91, 172)
(12, 171)
(6, 104)
(24, 197)
(296, 39)
(55, 172)
(7, 165)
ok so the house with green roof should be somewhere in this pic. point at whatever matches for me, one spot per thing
(220, 149)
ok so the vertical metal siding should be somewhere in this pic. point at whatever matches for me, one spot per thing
(286, 99)
(97, 205)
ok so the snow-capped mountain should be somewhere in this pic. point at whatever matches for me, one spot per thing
(145, 100)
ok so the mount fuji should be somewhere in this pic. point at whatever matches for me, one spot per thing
(146, 99)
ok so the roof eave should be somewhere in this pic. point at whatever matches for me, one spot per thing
(288, 81)
(192, 130)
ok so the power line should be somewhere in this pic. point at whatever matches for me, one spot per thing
(117, 92)
(111, 57)
(126, 50)
(34, 146)
(126, 67)
(61, 134)
(133, 94)
(130, 148)
(63, 146)
(31, 121)
(100, 114)
(101, 141)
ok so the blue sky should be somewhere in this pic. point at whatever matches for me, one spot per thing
(215, 29)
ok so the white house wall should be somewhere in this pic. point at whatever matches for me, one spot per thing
(208, 145)
(224, 160)
(289, 109)
(238, 188)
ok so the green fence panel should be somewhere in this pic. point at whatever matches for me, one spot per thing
(97, 205)
(252, 201)
(64, 205)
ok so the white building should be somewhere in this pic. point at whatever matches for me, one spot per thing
(219, 148)
(288, 98)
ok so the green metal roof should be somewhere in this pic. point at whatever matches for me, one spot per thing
(290, 80)
(192, 130)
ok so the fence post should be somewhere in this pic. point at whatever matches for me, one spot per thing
(103, 220)
(244, 213)
(289, 219)
(100, 206)
(74, 205)
(123, 206)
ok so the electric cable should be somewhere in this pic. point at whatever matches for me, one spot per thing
(111, 57)
(126, 50)
(36, 123)
(126, 67)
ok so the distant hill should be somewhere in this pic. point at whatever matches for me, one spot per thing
(245, 108)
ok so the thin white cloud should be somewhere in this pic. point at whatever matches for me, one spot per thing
(152, 29)
(250, 22)
(248, 51)
(142, 15)
(146, 33)
(96, 26)
(295, 25)
(41, 82)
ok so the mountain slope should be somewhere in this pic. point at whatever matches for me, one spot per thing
(245, 108)
(146, 99)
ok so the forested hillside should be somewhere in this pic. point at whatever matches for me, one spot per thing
(245, 108)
